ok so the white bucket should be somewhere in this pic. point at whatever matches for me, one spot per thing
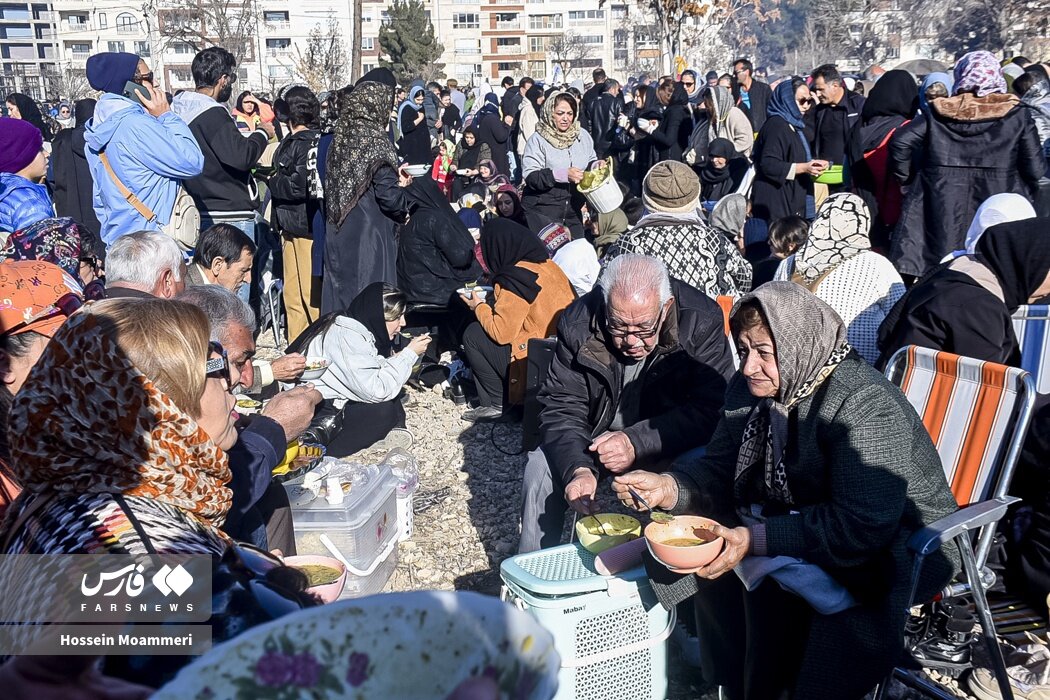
(606, 197)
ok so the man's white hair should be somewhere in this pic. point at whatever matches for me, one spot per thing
(635, 276)
(223, 308)
(139, 259)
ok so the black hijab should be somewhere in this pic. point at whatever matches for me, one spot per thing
(651, 106)
(378, 75)
(468, 159)
(31, 113)
(719, 148)
(366, 309)
(504, 244)
(1018, 255)
(893, 100)
(533, 94)
(83, 110)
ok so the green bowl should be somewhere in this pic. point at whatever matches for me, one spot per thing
(831, 176)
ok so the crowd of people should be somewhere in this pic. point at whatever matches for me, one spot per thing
(720, 334)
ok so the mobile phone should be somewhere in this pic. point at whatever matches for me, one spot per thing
(136, 92)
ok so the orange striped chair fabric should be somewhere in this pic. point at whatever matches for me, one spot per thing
(969, 408)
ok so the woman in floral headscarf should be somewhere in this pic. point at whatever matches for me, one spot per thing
(837, 264)
(975, 144)
(817, 458)
(554, 161)
(363, 196)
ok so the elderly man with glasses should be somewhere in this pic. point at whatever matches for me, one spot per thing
(637, 379)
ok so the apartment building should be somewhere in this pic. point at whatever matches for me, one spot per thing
(27, 49)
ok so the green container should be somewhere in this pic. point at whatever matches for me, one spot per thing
(831, 176)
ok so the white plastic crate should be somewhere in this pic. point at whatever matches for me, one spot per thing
(610, 631)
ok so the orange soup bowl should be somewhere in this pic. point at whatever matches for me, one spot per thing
(675, 544)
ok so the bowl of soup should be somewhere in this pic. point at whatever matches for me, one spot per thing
(598, 533)
(315, 367)
(325, 574)
(683, 544)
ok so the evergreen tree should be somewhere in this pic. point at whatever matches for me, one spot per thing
(410, 49)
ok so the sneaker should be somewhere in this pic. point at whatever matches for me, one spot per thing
(483, 414)
(397, 437)
(1027, 667)
(948, 638)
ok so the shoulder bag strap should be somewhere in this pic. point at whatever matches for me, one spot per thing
(41, 500)
(146, 541)
(128, 195)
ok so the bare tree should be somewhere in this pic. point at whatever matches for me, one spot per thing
(998, 26)
(231, 24)
(67, 83)
(355, 61)
(322, 64)
(569, 50)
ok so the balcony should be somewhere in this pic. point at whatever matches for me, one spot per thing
(511, 50)
(279, 52)
(76, 26)
(278, 26)
(514, 25)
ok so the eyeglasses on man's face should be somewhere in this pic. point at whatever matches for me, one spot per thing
(646, 332)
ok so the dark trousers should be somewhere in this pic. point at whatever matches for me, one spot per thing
(489, 362)
(277, 514)
(751, 643)
(365, 424)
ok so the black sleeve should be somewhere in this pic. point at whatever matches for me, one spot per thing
(499, 131)
(231, 147)
(455, 243)
(904, 142)
(1031, 163)
(389, 195)
(290, 182)
(541, 180)
(774, 160)
(408, 121)
(666, 135)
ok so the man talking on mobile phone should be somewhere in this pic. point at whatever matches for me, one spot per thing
(148, 150)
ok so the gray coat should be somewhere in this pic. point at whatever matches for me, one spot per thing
(864, 476)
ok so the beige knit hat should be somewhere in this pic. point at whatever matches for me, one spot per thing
(671, 187)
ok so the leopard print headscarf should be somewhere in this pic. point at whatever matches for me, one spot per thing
(87, 421)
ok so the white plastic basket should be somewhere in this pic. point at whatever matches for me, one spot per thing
(605, 197)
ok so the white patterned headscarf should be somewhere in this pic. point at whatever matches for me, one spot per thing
(839, 232)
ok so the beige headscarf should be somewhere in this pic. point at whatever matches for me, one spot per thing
(547, 129)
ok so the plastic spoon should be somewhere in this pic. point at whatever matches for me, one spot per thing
(656, 515)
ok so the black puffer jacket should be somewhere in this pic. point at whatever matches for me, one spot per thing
(967, 150)
(435, 251)
(671, 137)
(602, 115)
(296, 186)
(683, 386)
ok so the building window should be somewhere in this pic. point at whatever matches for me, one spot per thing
(511, 41)
(142, 48)
(893, 28)
(510, 67)
(367, 67)
(116, 46)
(620, 55)
(545, 21)
(278, 71)
(16, 32)
(366, 18)
(537, 44)
(537, 68)
(619, 11)
(271, 16)
(594, 39)
(384, 17)
(278, 44)
(80, 49)
(584, 15)
(184, 49)
(465, 20)
(182, 75)
(102, 21)
(368, 43)
(468, 46)
(893, 52)
(126, 23)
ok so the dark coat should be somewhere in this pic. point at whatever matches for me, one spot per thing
(546, 200)
(588, 99)
(833, 125)
(671, 137)
(295, 187)
(864, 476)
(760, 94)
(435, 255)
(948, 310)
(259, 448)
(682, 386)
(451, 122)
(415, 138)
(971, 149)
(773, 196)
(604, 111)
(364, 249)
(496, 134)
(71, 184)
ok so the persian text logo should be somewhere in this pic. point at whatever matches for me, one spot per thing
(169, 580)
(129, 578)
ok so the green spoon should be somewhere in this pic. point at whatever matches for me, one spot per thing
(656, 515)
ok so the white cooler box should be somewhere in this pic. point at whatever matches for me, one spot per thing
(363, 527)
(610, 631)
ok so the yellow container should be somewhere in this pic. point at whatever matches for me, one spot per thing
(598, 533)
(289, 456)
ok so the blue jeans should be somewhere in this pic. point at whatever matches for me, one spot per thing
(248, 226)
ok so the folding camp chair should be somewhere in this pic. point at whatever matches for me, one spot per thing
(977, 414)
(1031, 326)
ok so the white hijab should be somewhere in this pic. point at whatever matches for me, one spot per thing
(997, 209)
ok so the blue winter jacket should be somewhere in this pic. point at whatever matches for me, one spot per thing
(150, 155)
(22, 203)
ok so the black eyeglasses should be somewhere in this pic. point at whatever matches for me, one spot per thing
(67, 305)
(621, 333)
(218, 367)
(687, 85)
